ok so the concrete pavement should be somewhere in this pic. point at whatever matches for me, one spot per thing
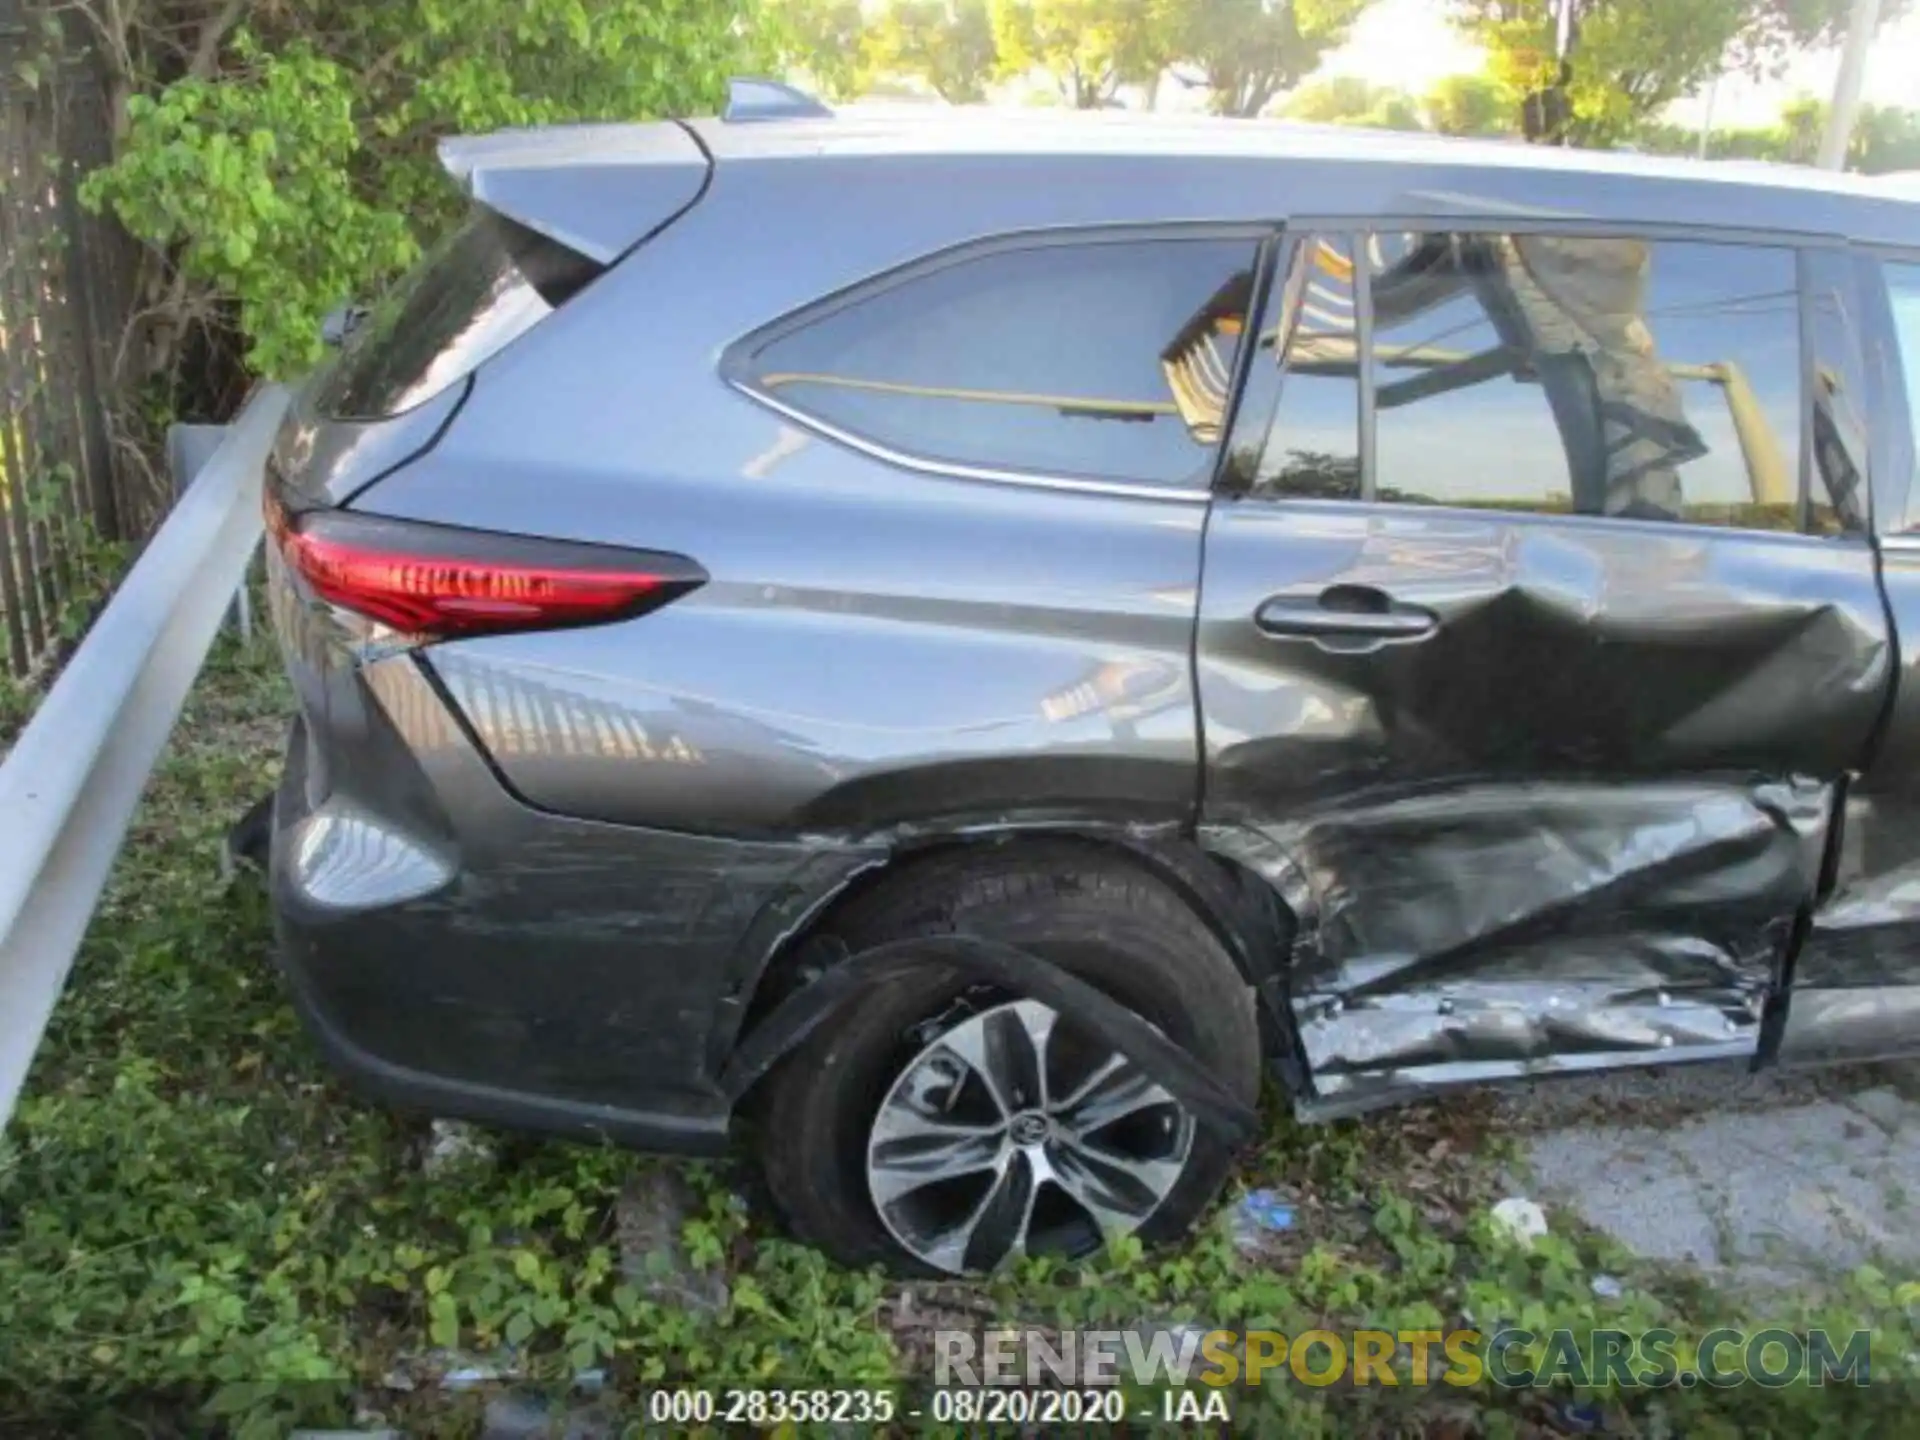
(1779, 1180)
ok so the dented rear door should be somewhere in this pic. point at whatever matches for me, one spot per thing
(1532, 646)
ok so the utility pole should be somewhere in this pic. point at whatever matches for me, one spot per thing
(1546, 112)
(1846, 86)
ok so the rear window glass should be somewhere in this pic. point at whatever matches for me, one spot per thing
(1108, 359)
(479, 289)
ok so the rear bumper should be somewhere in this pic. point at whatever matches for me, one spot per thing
(685, 1129)
(456, 951)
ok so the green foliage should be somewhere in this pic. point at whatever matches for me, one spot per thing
(1249, 51)
(947, 43)
(299, 173)
(1089, 47)
(1349, 100)
(825, 40)
(1885, 138)
(83, 565)
(1472, 105)
(1630, 58)
(252, 184)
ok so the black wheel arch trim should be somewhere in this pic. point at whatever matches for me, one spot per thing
(1242, 910)
(798, 1016)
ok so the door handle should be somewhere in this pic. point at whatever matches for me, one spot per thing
(1358, 612)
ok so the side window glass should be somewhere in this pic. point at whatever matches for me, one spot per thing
(1313, 446)
(1105, 359)
(1903, 289)
(1837, 494)
(1903, 294)
(1611, 375)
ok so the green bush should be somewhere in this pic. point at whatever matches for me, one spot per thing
(296, 171)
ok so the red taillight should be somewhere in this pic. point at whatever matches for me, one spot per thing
(439, 582)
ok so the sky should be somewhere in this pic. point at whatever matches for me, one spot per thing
(1410, 44)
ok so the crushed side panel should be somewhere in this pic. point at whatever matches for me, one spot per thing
(1507, 929)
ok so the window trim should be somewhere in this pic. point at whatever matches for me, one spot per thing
(1357, 228)
(1846, 261)
(1272, 299)
(1803, 283)
(737, 358)
(1894, 421)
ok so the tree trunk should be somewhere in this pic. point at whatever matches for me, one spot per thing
(1250, 97)
(1546, 115)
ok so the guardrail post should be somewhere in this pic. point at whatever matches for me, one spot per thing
(189, 448)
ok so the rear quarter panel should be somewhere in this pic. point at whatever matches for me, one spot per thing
(878, 647)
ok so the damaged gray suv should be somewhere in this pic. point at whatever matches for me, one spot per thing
(963, 642)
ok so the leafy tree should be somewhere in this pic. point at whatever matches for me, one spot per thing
(1627, 59)
(826, 40)
(1472, 105)
(279, 159)
(1885, 138)
(1802, 121)
(1394, 110)
(1661, 137)
(947, 43)
(1248, 51)
(1090, 47)
(1336, 100)
(1349, 100)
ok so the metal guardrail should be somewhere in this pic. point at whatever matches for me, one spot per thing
(69, 787)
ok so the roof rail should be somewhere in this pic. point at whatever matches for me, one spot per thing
(750, 98)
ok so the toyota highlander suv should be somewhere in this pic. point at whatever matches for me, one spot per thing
(967, 640)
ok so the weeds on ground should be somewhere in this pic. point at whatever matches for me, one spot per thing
(200, 1233)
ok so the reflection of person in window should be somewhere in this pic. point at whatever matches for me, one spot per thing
(1569, 311)
(1833, 423)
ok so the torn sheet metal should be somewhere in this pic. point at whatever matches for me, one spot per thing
(1856, 980)
(1863, 933)
(1488, 930)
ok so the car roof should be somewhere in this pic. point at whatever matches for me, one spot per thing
(1355, 171)
(930, 131)
(1199, 166)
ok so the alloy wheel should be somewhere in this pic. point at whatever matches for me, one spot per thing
(1015, 1132)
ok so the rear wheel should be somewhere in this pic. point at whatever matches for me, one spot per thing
(938, 1125)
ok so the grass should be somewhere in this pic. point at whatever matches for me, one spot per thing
(199, 1233)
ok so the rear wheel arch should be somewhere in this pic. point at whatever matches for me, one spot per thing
(831, 1042)
(1243, 913)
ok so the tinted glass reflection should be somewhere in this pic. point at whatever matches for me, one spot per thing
(1104, 359)
(1903, 293)
(464, 301)
(1603, 375)
(1313, 446)
(1837, 498)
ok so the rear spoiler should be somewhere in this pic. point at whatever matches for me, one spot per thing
(751, 99)
(599, 190)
